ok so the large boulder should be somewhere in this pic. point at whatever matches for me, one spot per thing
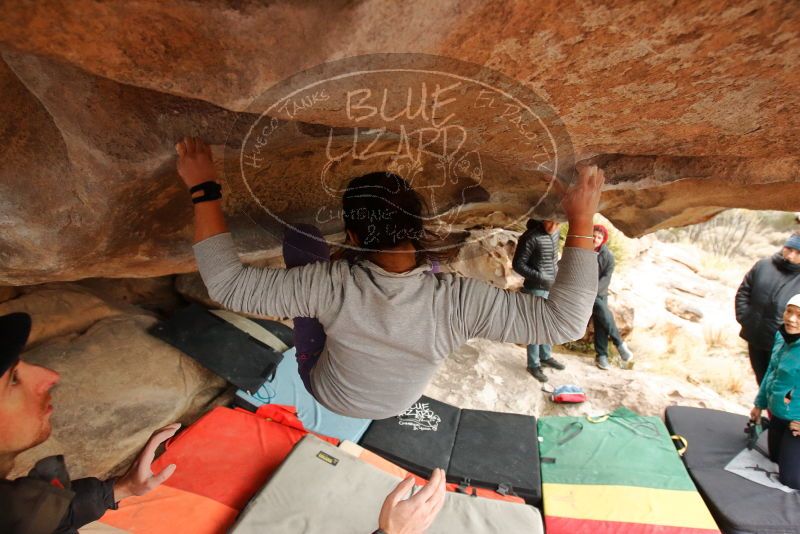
(488, 256)
(61, 310)
(690, 108)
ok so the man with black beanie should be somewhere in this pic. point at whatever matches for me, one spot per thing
(47, 500)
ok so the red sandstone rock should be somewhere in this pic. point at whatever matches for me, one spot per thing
(691, 107)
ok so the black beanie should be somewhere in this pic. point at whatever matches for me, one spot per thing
(14, 330)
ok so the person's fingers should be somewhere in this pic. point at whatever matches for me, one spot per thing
(437, 500)
(201, 147)
(401, 491)
(162, 477)
(148, 453)
(430, 488)
(190, 145)
(591, 176)
(558, 186)
(180, 148)
(437, 482)
(600, 179)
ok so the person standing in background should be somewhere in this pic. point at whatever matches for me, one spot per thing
(604, 325)
(761, 299)
(536, 260)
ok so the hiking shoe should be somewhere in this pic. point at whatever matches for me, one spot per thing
(555, 364)
(625, 353)
(602, 363)
(537, 373)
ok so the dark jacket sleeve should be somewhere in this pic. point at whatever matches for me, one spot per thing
(522, 264)
(92, 498)
(605, 270)
(743, 297)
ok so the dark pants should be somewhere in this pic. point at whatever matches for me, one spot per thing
(302, 245)
(604, 326)
(784, 449)
(538, 353)
(759, 360)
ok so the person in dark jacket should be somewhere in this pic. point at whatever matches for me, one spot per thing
(761, 299)
(536, 259)
(604, 325)
(46, 501)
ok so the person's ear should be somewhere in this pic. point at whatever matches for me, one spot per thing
(353, 239)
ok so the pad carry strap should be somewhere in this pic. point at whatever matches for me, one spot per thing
(680, 443)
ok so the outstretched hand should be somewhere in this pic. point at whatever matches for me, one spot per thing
(580, 202)
(413, 515)
(139, 479)
(195, 162)
(581, 199)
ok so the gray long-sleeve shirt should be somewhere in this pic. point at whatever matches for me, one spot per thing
(387, 332)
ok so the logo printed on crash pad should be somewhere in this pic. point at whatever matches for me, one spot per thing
(327, 458)
(420, 417)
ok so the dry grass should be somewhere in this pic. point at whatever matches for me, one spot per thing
(716, 361)
(715, 337)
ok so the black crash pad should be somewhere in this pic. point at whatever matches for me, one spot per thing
(739, 506)
(492, 450)
(221, 347)
(419, 440)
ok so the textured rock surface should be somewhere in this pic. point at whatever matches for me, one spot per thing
(690, 106)
(684, 310)
(60, 310)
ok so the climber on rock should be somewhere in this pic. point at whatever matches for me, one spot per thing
(386, 323)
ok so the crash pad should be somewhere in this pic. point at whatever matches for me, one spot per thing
(222, 460)
(497, 450)
(385, 465)
(493, 450)
(420, 439)
(617, 473)
(287, 388)
(322, 489)
(222, 347)
(740, 506)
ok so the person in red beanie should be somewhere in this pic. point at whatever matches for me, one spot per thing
(603, 320)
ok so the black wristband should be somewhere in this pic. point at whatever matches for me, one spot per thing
(211, 191)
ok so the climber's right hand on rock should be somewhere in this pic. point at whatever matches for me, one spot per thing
(195, 163)
(581, 200)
